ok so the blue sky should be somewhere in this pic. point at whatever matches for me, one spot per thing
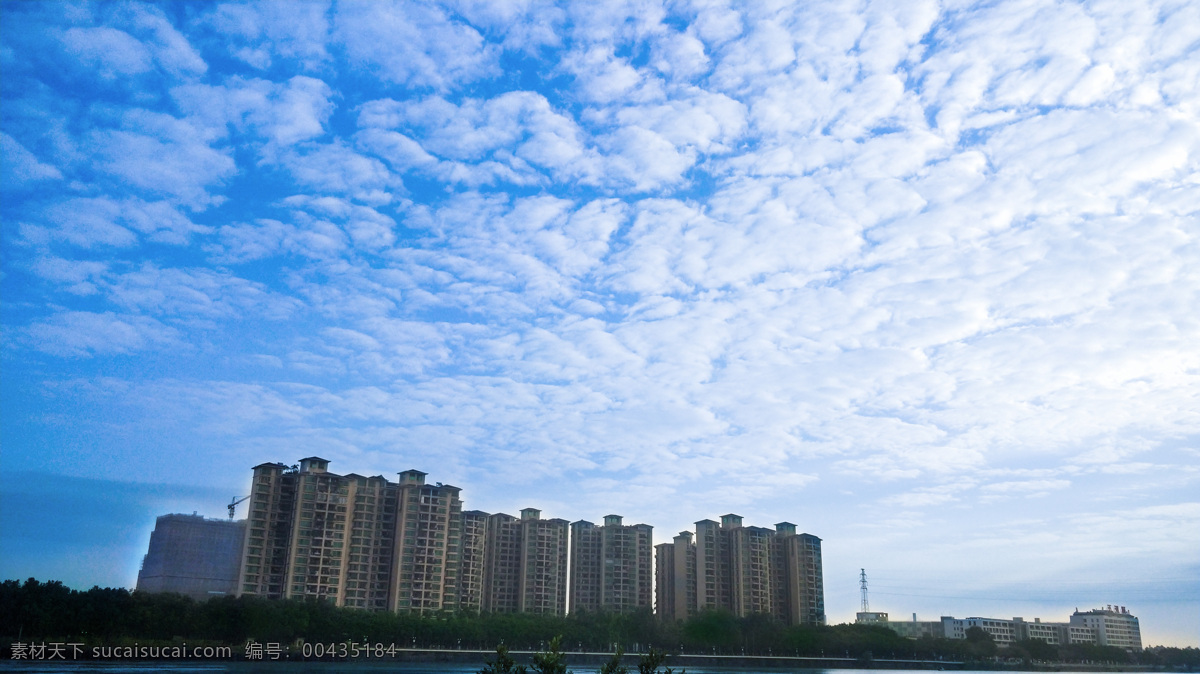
(920, 277)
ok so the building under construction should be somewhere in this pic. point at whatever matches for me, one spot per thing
(192, 555)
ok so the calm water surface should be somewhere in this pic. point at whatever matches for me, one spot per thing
(373, 667)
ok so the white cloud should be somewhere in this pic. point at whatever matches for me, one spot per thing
(334, 168)
(604, 77)
(22, 167)
(172, 51)
(92, 222)
(264, 238)
(194, 292)
(162, 156)
(525, 25)
(508, 137)
(275, 29)
(285, 114)
(680, 55)
(80, 334)
(414, 44)
(78, 276)
(108, 52)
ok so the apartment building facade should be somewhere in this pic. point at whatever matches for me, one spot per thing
(744, 570)
(355, 541)
(611, 566)
(472, 565)
(675, 590)
(526, 564)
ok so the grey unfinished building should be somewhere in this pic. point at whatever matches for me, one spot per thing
(192, 555)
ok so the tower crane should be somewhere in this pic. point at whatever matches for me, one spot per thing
(233, 504)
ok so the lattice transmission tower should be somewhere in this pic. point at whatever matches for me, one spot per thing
(862, 584)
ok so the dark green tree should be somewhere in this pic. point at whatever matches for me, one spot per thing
(552, 660)
(980, 644)
(1034, 649)
(650, 661)
(503, 664)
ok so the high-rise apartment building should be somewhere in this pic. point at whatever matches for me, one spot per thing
(353, 540)
(526, 567)
(502, 570)
(473, 561)
(543, 564)
(269, 528)
(611, 566)
(751, 566)
(714, 563)
(675, 583)
(587, 565)
(744, 570)
(370, 565)
(428, 536)
(800, 594)
(192, 555)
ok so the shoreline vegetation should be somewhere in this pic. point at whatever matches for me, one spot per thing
(49, 612)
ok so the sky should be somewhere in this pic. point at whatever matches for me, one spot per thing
(920, 277)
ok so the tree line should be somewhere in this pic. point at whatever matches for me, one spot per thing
(48, 611)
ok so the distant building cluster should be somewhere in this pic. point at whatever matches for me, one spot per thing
(745, 570)
(1109, 626)
(408, 546)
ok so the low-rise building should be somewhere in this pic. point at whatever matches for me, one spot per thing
(1111, 626)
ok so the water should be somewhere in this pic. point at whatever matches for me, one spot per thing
(280, 667)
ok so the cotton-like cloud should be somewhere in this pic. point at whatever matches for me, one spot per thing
(265, 32)
(414, 44)
(335, 168)
(284, 114)
(137, 40)
(894, 271)
(467, 138)
(519, 25)
(160, 155)
(22, 167)
(109, 52)
(81, 334)
(92, 222)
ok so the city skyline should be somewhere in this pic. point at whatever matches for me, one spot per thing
(918, 277)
